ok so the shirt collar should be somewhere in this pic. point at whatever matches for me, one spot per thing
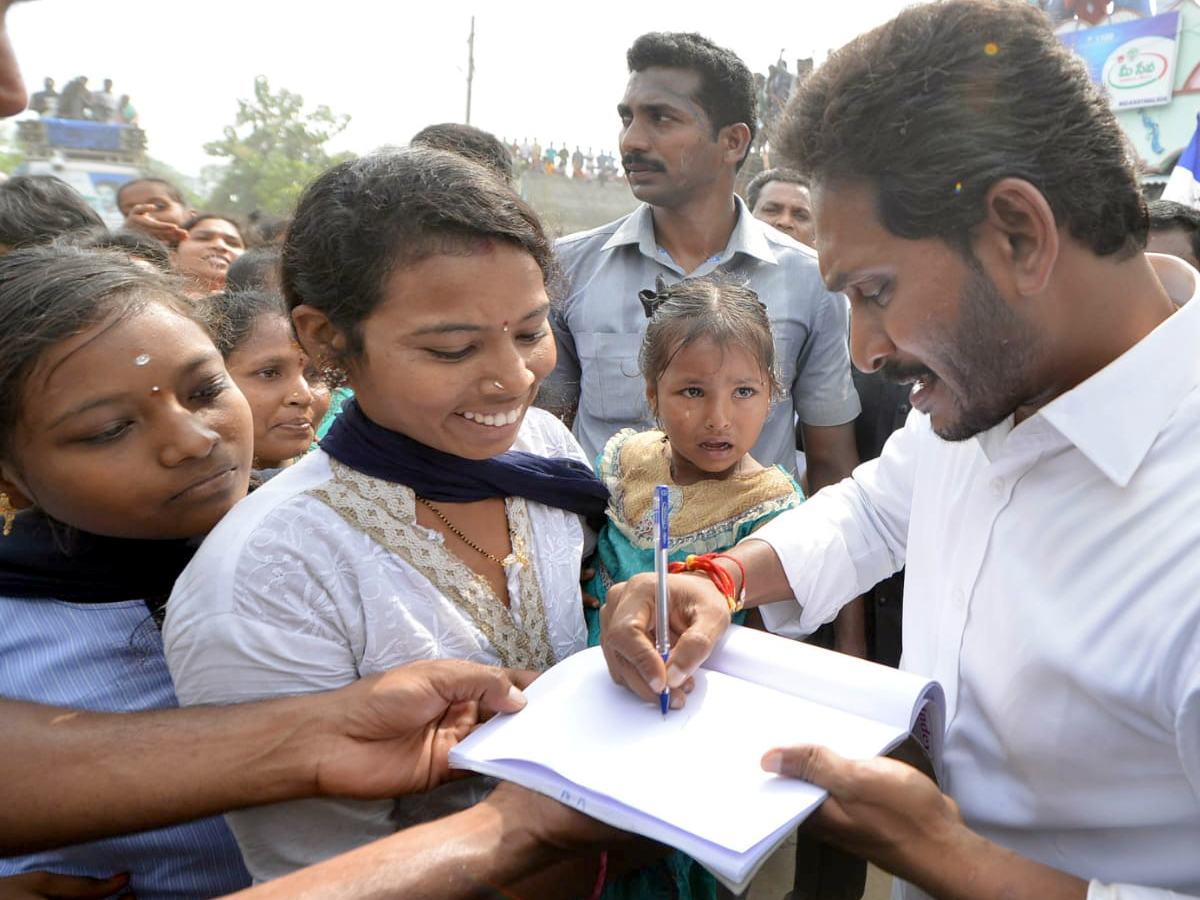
(1115, 416)
(750, 236)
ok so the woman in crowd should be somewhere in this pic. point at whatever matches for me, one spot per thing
(287, 397)
(205, 255)
(122, 441)
(441, 517)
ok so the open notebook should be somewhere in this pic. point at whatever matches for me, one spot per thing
(692, 780)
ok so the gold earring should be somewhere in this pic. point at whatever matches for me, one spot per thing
(9, 512)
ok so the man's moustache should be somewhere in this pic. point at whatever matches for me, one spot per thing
(901, 374)
(630, 160)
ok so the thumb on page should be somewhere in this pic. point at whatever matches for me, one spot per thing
(808, 762)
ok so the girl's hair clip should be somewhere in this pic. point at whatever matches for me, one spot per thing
(653, 299)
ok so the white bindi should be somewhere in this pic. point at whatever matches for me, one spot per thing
(141, 359)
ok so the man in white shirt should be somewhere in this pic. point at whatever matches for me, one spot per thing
(1042, 494)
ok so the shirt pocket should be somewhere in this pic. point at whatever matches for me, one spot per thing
(611, 388)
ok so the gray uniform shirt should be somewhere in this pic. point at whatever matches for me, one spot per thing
(599, 325)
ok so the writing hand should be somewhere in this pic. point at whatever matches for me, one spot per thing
(699, 615)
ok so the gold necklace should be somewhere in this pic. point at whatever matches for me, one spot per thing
(513, 557)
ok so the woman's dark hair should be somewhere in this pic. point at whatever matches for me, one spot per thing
(135, 245)
(466, 140)
(38, 209)
(714, 308)
(936, 106)
(265, 230)
(200, 217)
(233, 315)
(49, 294)
(363, 219)
(254, 270)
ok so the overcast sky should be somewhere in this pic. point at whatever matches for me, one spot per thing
(550, 71)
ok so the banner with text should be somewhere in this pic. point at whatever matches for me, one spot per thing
(1133, 61)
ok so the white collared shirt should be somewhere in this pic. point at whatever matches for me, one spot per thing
(1053, 588)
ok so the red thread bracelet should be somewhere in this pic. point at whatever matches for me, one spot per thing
(706, 563)
(741, 596)
(601, 876)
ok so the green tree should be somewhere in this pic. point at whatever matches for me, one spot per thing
(273, 149)
(156, 168)
(11, 154)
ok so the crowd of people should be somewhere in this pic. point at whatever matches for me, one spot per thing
(289, 508)
(533, 158)
(77, 101)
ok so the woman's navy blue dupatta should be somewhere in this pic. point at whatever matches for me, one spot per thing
(43, 559)
(374, 450)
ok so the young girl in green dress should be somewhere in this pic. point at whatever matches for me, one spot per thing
(708, 358)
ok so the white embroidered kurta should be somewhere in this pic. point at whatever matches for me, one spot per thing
(323, 576)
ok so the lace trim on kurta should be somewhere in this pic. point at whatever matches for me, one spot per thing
(386, 513)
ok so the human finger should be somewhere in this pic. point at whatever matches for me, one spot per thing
(699, 616)
(493, 688)
(522, 678)
(807, 762)
(141, 218)
(884, 786)
(625, 629)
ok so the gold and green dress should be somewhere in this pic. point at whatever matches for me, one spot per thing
(706, 517)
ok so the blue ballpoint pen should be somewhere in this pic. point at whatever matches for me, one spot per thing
(661, 630)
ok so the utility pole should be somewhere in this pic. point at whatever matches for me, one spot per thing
(470, 67)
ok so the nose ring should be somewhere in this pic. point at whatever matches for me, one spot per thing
(498, 385)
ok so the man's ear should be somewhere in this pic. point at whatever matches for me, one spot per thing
(735, 140)
(1024, 234)
(320, 339)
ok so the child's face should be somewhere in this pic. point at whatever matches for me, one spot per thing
(270, 369)
(132, 429)
(455, 352)
(712, 401)
(162, 206)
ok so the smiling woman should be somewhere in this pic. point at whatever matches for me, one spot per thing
(121, 440)
(442, 516)
(287, 396)
(211, 246)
